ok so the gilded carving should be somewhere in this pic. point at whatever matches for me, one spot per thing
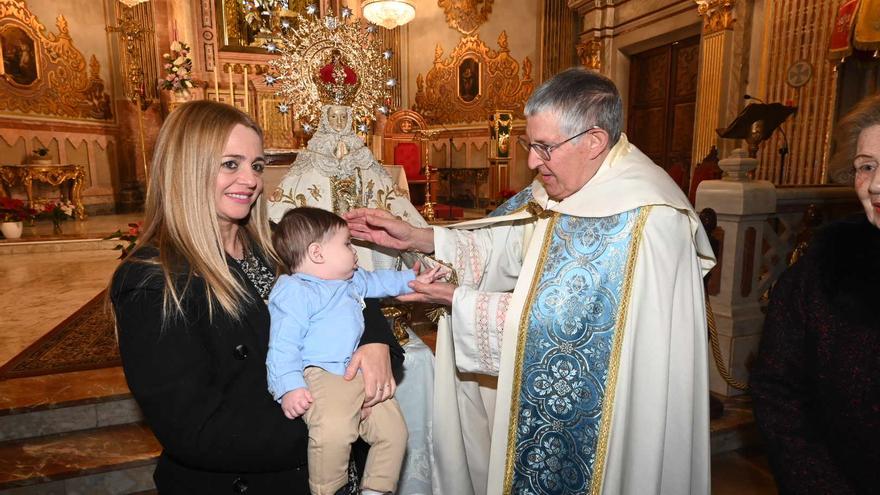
(50, 76)
(278, 129)
(438, 97)
(466, 16)
(717, 14)
(590, 54)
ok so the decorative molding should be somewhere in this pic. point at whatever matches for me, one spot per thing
(438, 96)
(466, 16)
(717, 14)
(590, 53)
(55, 81)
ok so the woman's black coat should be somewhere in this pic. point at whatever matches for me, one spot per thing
(201, 384)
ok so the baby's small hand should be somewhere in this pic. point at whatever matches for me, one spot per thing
(296, 402)
(429, 276)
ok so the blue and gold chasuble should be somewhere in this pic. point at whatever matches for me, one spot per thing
(566, 359)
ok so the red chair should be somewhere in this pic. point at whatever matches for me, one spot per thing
(409, 156)
(399, 143)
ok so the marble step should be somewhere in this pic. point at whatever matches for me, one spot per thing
(49, 244)
(735, 429)
(52, 404)
(110, 460)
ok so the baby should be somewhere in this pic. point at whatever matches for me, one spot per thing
(316, 324)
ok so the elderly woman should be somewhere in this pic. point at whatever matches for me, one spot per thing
(192, 322)
(816, 382)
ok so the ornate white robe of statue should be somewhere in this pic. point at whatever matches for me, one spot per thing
(590, 311)
(318, 178)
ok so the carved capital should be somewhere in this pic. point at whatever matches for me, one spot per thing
(717, 15)
(590, 53)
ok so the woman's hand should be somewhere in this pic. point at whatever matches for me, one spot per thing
(374, 362)
(384, 229)
(434, 293)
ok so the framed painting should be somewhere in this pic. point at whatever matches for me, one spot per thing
(468, 79)
(19, 52)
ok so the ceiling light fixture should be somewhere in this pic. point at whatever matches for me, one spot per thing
(389, 13)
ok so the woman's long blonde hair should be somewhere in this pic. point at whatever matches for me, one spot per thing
(180, 213)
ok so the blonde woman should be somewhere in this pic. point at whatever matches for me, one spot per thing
(192, 322)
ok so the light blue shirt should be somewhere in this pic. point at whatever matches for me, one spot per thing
(316, 322)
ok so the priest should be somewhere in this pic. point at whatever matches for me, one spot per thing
(583, 295)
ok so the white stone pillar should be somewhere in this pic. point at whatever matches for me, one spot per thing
(743, 207)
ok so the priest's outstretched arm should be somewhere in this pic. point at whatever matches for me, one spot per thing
(488, 261)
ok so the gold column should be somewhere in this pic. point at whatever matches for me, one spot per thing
(716, 73)
(133, 33)
(796, 40)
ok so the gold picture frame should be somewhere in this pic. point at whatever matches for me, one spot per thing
(469, 79)
(19, 53)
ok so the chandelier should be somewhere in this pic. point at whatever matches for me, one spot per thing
(389, 13)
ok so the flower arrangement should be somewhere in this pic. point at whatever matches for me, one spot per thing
(42, 152)
(178, 68)
(14, 210)
(57, 211)
(134, 230)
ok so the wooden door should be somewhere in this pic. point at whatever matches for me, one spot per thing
(662, 99)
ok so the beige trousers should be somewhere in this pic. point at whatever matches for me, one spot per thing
(334, 421)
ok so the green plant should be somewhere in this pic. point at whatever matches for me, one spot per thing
(42, 152)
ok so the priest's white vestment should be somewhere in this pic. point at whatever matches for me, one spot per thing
(622, 407)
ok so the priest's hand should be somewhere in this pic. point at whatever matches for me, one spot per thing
(433, 293)
(384, 229)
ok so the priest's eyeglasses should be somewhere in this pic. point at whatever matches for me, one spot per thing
(544, 150)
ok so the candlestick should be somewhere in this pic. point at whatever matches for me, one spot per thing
(231, 87)
(246, 105)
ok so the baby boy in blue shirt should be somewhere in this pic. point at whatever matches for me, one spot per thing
(316, 324)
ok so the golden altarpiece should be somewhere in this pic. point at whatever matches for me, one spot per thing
(67, 112)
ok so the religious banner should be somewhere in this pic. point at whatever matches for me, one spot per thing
(867, 32)
(839, 44)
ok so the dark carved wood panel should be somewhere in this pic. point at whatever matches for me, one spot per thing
(662, 98)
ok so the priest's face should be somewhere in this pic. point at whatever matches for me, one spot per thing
(867, 178)
(336, 117)
(572, 164)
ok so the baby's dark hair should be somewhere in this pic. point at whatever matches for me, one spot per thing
(299, 228)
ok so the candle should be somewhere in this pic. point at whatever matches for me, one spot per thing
(246, 105)
(231, 88)
(216, 84)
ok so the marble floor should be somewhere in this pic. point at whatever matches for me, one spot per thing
(46, 282)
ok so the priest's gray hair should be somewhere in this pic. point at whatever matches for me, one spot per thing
(581, 98)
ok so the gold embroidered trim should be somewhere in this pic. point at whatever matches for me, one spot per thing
(616, 348)
(520, 346)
